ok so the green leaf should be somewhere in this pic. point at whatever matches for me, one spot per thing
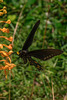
(30, 2)
(12, 17)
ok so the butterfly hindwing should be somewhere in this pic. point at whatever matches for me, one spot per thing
(29, 39)
(45, 54)
(35, 63)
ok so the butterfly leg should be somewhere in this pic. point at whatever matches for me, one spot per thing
(35, 63)
(25, 60)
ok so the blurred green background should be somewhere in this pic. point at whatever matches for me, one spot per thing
(53, 19)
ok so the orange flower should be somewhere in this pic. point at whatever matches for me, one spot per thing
(8, 46)
(5, 54)
(1, 13)
(9, 39)
(1, 46)
(10, 52)
(4, 61)
(8, 67)
(3, 10)
(8, 21)
(8, 58)
(5, 30)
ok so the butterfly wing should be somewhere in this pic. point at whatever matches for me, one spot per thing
(29, 39)
(45, 54)
(35, 63)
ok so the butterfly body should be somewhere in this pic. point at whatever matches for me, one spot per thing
(43, 54)
(25, 56)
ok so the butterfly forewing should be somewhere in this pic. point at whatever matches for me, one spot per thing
(45, 54)
(29, 40)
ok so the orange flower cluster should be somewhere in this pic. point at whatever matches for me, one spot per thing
(3, 11)
(7, 62)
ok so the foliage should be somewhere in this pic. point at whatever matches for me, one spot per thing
(54, 70)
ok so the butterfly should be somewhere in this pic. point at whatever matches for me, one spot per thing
(43, 54)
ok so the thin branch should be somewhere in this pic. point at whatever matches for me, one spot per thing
(17, 24)
(53, 91)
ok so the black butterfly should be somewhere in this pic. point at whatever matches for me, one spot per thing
(43, 54)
